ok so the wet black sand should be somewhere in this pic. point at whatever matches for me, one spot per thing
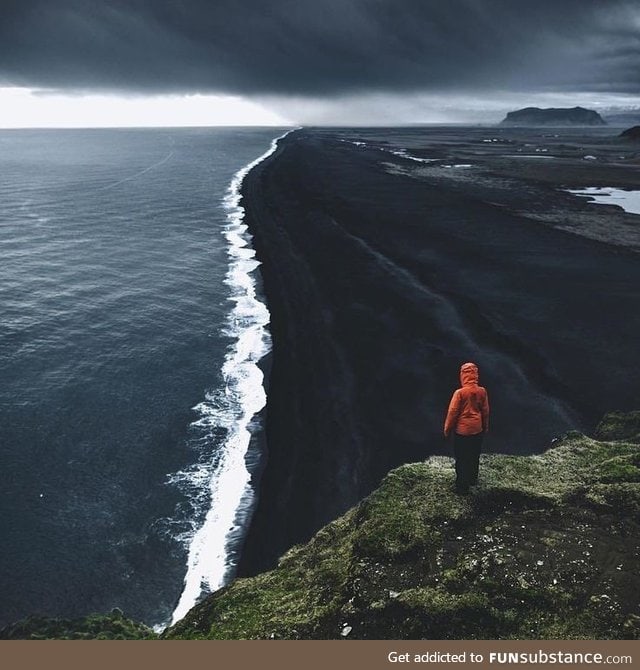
(384, 274)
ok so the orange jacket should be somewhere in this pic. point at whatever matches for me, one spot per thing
(469, 407)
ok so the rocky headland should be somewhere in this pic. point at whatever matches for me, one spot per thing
(632, 133)
(535, 116)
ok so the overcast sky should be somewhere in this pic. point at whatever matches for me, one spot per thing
(317, 61)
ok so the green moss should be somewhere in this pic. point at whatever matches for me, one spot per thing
(620, 426)
(401, 516)
(285, 603)
(443, 614)
(113, 626)
(441, 604)
(623, 497)
(619, 468)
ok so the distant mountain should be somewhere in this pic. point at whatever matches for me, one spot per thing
(534, 116)
(631, 133)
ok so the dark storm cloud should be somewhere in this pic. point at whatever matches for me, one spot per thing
(320, 47)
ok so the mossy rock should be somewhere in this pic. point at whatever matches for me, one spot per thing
(113, 626)
(620, 426)
(546, 546)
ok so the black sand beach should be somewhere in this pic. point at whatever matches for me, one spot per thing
(383, 274)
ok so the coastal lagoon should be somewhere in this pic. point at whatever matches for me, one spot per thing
(628, 200)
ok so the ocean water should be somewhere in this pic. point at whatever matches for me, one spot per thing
(131, 325)
(607, 195)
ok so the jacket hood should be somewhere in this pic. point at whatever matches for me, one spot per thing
(468, 374)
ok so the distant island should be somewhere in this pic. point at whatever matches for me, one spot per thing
(631, 133)
(535, 116)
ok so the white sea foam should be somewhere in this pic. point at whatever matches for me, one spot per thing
(628, 200)
(221, 483)
(404, 154)
(526, 156)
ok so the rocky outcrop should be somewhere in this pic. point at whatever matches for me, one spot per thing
(535, 116)
(632, 133)
(113, 626)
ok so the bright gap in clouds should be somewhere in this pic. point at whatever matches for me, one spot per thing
(26, 108)
(446, 107)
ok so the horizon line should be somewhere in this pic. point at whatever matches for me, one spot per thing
(261, 125)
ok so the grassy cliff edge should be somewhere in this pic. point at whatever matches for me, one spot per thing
(547, 546)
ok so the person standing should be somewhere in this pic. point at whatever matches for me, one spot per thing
(468, 418)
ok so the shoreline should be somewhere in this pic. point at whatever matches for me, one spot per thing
(379, 285)
(230, 478)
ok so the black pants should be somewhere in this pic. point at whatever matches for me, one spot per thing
(466, 449)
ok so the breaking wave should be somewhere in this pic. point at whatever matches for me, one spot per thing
(219, 486)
